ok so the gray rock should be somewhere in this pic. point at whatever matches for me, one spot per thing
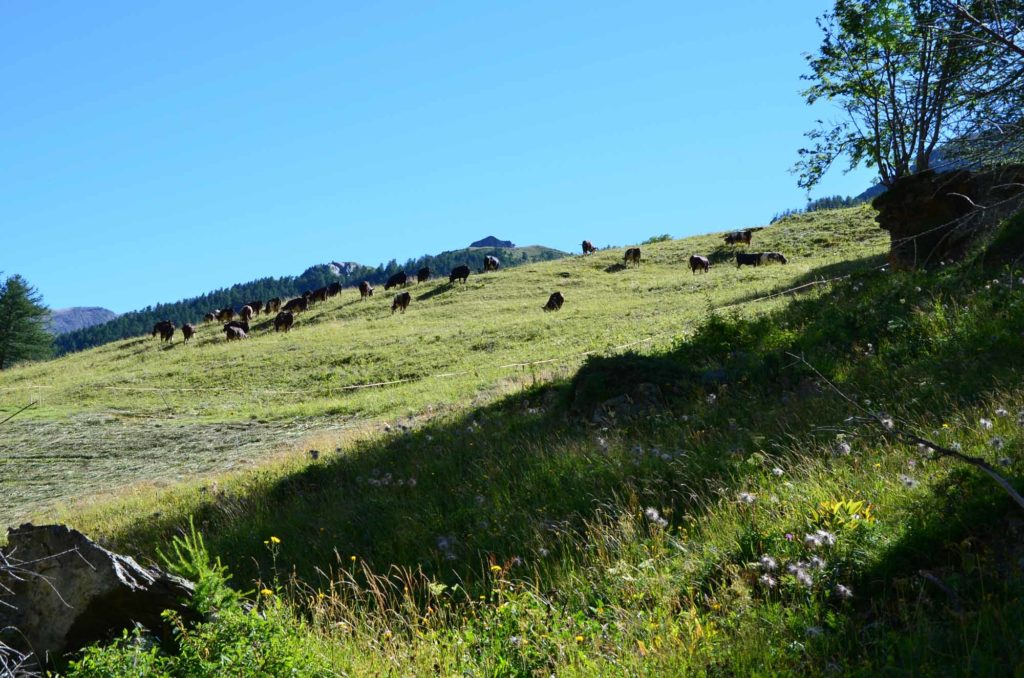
(62, 591)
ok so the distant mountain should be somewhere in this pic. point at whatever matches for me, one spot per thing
(491, 241)
(64, 320)
(348, 274)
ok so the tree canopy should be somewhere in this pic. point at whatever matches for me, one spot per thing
(913, 77)
(23, 317)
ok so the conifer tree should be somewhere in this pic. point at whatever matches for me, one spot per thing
(23, 317)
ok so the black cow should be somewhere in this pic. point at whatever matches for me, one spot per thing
(240, 324)
(401, 302)
(773, 256)
(423, 275)
(748, 259)
(284, 321)
(165, 328)
(588, 247)
(632, 256)
(699, 262)
(256, 306)
(459, 273)
(738, 237)
(555, 302)
(273, 305)
(226, 314)
(334, 289)
(297, 304)
(235, 333)
(210, 317)
(398, 279)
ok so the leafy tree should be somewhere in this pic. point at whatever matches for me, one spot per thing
(23, 318)
(902, 75)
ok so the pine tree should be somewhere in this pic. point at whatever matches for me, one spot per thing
(23, 317)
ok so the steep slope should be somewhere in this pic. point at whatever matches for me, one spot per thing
(348, 362)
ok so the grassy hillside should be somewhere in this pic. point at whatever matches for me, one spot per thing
(736, 515)
(140, 411)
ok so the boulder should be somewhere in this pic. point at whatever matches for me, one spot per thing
(60, 591)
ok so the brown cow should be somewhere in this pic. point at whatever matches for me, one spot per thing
(699, 262)
(273, 305)
(491, 263)
(226, 315)
(245, 314)
(297, 304)
(423, 275)
(188, 330)
(209, 317)
(401, 302)
(588, 247)
(284, 321)
(555, 302)
(256, 306)
(365, 290)
(234, 333)
(632, 256)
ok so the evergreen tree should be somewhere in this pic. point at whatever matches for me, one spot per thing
(23, 317)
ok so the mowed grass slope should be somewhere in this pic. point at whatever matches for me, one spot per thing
(457, 345)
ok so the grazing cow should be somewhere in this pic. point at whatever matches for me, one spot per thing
(297, 304)
(210, 317)
(245, 313)
(748, 259)
(632, 256)
(365, 290)
(273, 305)
(555, 302)
(401, 302)
(334, 289)
(256, 307)
(767, 257)
(699, 262)
(397, 279)
(738, 237)
(165, 328)
(318, 295)
(226, 314)
(235, 333)
(491, 263)
(284, 321)
(459, 272)
(423, 275)
(588, 247)
(240, 324)
(188, 330)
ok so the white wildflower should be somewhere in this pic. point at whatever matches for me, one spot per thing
(777, 472)
(655, 517)
(908, 481)
(887, 422)
(767, 580)
(746, 497)
(997, 443)
(843, 591)
(768, 563)
(711, 398)
(818, 563)
(1001, 412)
(843, 448)
(985, 423)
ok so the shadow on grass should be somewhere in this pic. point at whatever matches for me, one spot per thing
(438, 289)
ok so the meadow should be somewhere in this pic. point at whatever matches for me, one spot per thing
(756, 512)
(138, 411)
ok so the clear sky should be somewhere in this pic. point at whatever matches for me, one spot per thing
(154, 151)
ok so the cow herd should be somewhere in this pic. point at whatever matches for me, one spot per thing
(284, 313)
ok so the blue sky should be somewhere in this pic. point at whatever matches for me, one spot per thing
(154, 151)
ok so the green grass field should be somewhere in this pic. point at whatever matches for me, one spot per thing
(136, 411)
(476, 520)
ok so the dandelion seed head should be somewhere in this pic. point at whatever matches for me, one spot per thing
(746, 497)
(1001, 412)
(777, 472)
(997, 443)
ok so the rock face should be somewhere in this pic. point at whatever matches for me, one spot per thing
(61, 591)
(64, 320)
(491, 241)
(933, 217)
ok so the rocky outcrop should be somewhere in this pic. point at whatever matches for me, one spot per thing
(60, 591)
(64, 320)
(491, 241)
(933, 217)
